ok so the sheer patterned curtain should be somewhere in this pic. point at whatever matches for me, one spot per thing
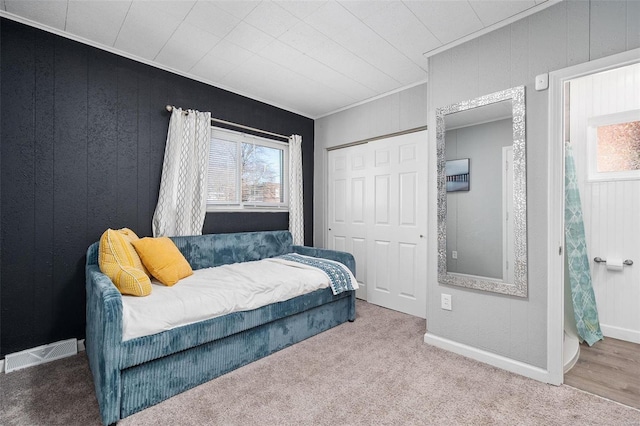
(296, 213)
(582, 295)
(182, 201)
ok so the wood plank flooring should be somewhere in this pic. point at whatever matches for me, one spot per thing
(610, 368)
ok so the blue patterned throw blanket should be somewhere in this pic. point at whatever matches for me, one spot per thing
(340, 277)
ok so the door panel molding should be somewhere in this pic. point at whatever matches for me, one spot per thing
(385, 220)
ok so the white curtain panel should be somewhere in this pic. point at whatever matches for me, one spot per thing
(296, 213)
(182, 202)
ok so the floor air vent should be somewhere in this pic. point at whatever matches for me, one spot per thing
(40, 355)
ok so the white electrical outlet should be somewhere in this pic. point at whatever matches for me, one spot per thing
(445, 300)
(454, 254)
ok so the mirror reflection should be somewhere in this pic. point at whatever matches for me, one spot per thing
(482, 198)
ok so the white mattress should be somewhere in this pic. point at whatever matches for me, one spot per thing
(213, 292)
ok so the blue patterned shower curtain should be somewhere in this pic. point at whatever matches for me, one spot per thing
(584, 300)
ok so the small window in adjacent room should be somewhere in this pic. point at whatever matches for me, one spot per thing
(614, 147)
(246, 172)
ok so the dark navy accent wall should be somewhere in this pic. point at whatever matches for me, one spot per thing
(81, 147)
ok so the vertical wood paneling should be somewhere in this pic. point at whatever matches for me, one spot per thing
(102, 145)
(548, 48)
(127, 143)
(147, 100)
(493, 65)
(70, 187)
(577, 26)
(82, 150)
(608, 29)
(154, 89)
(18, 162)
(465, 73)
(633, 24)
(226, 222)
(519, 52)
(44, 174)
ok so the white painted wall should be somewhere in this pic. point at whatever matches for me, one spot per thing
(569, 33)
(566, 34)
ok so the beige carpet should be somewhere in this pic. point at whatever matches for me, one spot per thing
(376, 370)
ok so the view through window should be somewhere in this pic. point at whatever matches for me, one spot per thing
(246, 171)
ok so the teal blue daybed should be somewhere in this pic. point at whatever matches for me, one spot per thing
(134, 374)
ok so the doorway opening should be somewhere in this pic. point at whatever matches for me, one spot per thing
(576, 119)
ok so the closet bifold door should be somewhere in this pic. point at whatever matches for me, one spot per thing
(377, 211)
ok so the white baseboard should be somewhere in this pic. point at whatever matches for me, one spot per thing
(1, 365)
(490, 358)
(626, 334)
(81, 345)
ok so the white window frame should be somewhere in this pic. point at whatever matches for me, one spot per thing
(240, 206)
(592, 146)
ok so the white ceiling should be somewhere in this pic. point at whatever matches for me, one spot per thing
(310, 57)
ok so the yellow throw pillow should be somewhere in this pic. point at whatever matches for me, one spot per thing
(163, 259)
(131, 236)
(120, 262)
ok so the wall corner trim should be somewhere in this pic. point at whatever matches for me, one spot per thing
(490, 358)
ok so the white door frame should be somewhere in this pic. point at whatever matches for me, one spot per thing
(555, 203)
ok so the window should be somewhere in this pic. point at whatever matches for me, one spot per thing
(246, 172)
(614, 146)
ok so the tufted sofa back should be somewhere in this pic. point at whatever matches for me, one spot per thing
(205, 251)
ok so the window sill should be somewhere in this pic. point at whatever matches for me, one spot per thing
(246, 210)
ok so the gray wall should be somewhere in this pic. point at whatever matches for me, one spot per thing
(399, 111)
(569, 33)
(474, 217)
(563, 35)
